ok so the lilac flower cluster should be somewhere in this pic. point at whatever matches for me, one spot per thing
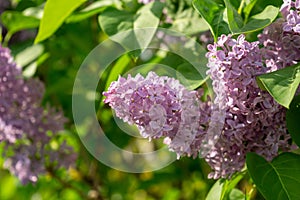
(281, 40)
(26, 128)
(254, 122)
(161, 107)
(290, 10)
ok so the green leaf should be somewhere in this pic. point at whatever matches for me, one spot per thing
(16, 21)
(36, 12)
(236, 194)
(189, 22)
(90, 10)
(292, 119)
(147, 16)
(260, 20)
(213, 13)
(279, 179)
(132, 26)
(113, 21)
(189, 76)
(234, 19)
(29, 54)
(117, 70)
(231, 184)
(248, 8)
(222, 188)
(257, 22)
(281, 84)
(8, 189)
(55, 12)
(259, 5)
(215, 193)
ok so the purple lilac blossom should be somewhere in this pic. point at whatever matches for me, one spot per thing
(161, 107)
(26, 128)
(290, 10)
(280, 48)
(281, 40)
(254, 122)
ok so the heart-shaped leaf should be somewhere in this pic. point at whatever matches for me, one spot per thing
(256, 22)
(281, 84)
(279, 179)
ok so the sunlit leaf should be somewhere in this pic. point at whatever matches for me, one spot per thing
(281, 84)
(216, 191)
(213, 13)
(189, 22)
(132, 27)
(29, 54)
(257, 22)
(222, 189)
(236, 194)
(260, 20)
(55, 13)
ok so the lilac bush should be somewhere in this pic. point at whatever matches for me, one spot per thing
(26, 128)
(253, 120)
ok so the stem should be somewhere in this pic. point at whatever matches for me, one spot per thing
(249, 195)
(1, 35)
(6, 39)
(241, 6)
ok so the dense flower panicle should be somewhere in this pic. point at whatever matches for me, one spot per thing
(160, 107)
(280, 48)
(26, 128)
(281, 40)
(290, 10)
(254, 122)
